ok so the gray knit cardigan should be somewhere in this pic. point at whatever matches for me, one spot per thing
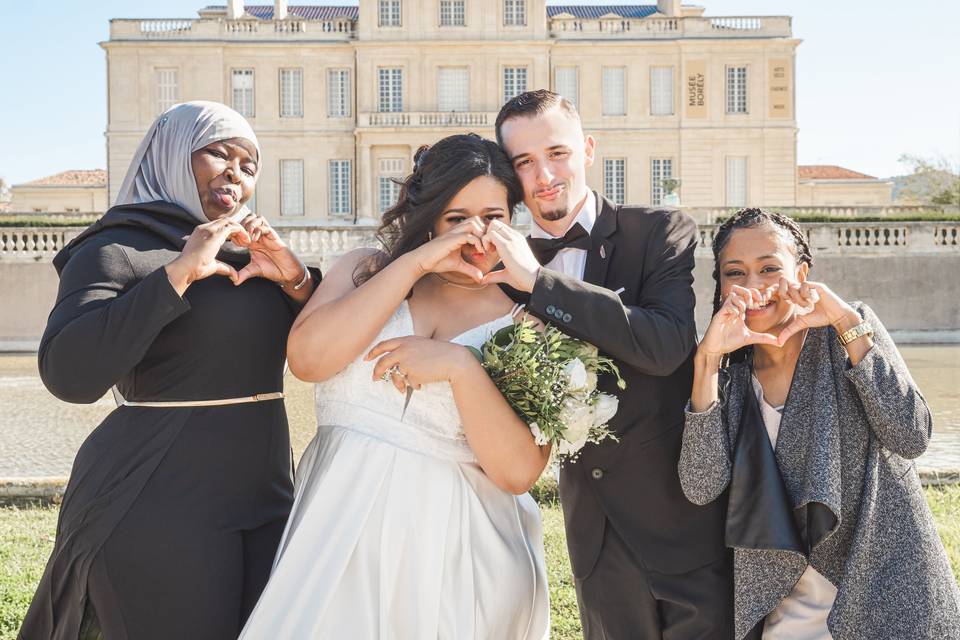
(847, 439)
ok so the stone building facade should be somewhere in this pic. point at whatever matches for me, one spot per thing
(341, 97)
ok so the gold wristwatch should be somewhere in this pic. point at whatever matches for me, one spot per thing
(851, 334)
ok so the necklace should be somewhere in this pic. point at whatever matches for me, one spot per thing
(458, 285)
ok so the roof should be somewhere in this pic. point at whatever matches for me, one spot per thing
(829, 172)
(73, 178)
(589, 12)
(307, 12)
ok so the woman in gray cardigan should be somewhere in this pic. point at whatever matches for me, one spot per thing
(804, 418)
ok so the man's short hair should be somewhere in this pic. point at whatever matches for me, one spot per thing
(531, 103)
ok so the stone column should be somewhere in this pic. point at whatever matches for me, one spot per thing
(279, 9)
(234, 9)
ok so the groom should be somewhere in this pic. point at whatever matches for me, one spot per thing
(647, 563)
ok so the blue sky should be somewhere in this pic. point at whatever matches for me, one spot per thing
(875, 79)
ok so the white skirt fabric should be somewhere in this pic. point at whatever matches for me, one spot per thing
(396, 533)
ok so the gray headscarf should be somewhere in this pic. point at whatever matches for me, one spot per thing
(161, 168)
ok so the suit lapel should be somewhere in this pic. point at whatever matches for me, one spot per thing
(601, 247)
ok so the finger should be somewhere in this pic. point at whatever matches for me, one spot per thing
(763, 338)
(469, 270)
(252, 270)
(769, 293)
(783, 288)
(382, 347)
(385, 362)
(496, 277)
(223, 269)
(788, 331)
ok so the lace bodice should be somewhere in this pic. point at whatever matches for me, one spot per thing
(431, 422)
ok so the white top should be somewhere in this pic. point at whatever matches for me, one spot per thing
(802, 615)
(571, 262)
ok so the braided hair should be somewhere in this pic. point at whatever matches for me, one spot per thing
(439, 173)
(752, 218)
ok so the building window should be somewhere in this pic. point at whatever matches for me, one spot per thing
(736, 89)
(736, 180)
(291, 187)
(515, 13)
(614, 91)
(614, 179)
(389, 13)
(660, 170)
(391, 89)
(338, 93)
(514, 82)
(291, 93)
(661, 91)
(340, 188)
(565, 83)
(390, 174)
(168, 89)
(453, 89)
(242, 85)
(453, 13)
(389, 192)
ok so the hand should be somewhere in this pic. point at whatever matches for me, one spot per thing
(198, 258)
(418, 360)
(520, 266)
(442, 254)
(728, 330)
(820, 305)
(270, 257)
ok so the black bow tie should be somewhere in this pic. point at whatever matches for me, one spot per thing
(545, 249)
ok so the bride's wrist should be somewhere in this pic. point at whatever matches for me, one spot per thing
(462, 365)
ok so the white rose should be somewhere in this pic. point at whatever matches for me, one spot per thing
(538, 435)
(577, 419)
(576, 374)
(604, 409)
(591, 382)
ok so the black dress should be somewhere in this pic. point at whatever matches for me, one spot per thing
(172, 516)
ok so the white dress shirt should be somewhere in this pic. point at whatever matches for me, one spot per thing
(571, 262)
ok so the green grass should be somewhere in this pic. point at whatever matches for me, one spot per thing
(26, 538)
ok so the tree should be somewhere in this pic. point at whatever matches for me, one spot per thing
(931, 181)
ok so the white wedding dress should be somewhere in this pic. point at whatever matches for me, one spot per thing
(396, 532)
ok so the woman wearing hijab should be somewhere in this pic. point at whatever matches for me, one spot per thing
(177, 500)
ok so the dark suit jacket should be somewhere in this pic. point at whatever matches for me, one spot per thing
(649, 330)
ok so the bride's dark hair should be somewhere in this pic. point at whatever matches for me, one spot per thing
(439, 173)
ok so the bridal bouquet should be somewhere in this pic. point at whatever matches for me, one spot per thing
(550, 381)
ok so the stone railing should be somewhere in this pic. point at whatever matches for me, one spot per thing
(873, 238)
(320, 243)
(663, 27)
(709, 215)
(34, 243)
(292, 28)
(428, 119)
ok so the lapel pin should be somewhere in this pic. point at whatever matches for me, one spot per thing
(620, 290)
(603, 252)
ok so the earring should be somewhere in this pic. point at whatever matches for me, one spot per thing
(429, 236)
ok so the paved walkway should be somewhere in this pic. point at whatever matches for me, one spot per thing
(40, 435)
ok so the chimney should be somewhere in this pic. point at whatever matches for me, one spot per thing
(669, 8)
(234, 9)
(279, 9)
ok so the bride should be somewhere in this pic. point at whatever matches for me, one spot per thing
(411, 518)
